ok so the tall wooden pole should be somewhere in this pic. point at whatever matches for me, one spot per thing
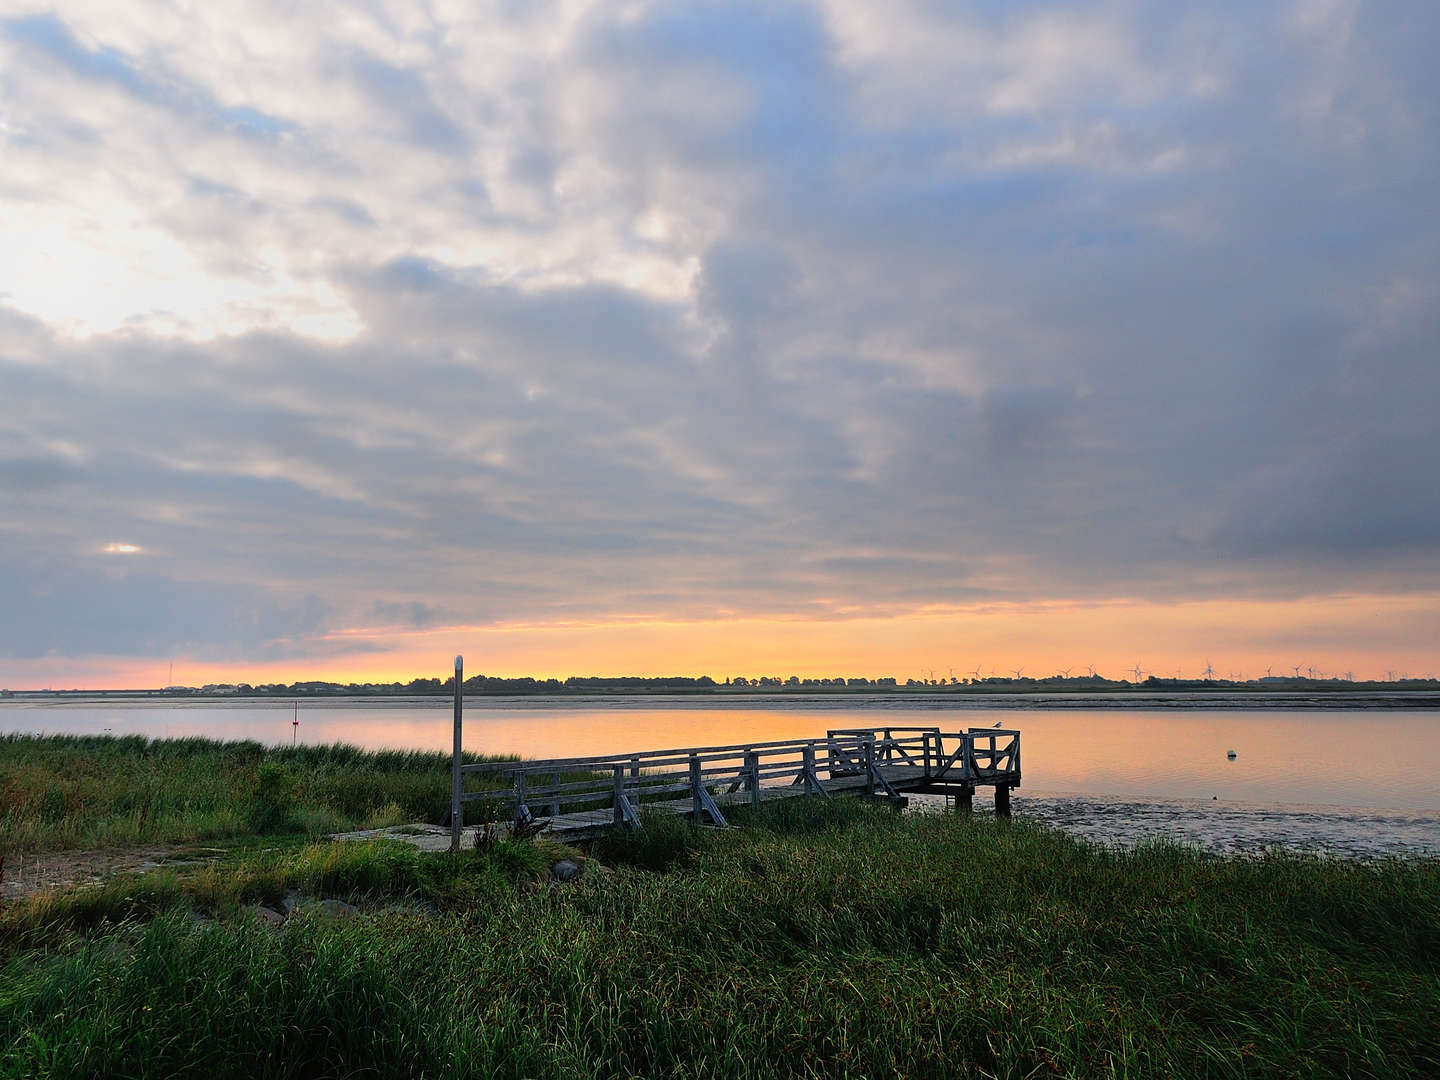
(457, 783)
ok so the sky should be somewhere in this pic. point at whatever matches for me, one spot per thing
(830, 338)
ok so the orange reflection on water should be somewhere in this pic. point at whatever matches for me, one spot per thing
(1350, 758)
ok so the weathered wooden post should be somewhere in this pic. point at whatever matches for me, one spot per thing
(554, 795)
(457, 780)
(869, 742)
(1002, 800)
(695, 786)
(965, 800)
(752, 775)
(809, 758)
(619, 796)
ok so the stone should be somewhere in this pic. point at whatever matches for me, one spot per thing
(291, 903)
(269, 916)
(566, 870)
(338, 909)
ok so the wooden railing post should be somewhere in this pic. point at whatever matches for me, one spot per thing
(457, 778)
(870, 765)
(695, 786)
(927, 755)
(618, 796)
(752, 775)
(519, 793)
(635, 782)
(809, 759)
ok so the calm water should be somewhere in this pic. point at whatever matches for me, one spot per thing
(1351, 781)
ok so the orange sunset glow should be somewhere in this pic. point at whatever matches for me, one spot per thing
(1244, 640)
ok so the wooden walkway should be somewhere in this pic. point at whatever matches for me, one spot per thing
(584, 796)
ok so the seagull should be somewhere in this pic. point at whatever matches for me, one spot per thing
(996, 724)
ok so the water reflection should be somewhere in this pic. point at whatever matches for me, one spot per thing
(1386, 759)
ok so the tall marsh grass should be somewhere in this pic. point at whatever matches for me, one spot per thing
(838, 942)
(87, 791)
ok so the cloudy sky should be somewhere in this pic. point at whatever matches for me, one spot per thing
(828, 338)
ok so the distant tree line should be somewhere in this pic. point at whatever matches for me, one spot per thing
(741, 684)
(632, 684)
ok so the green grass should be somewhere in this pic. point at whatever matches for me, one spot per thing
(65, 792)
(383, 871)
(821, 941)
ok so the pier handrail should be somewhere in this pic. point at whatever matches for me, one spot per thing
(619, 784)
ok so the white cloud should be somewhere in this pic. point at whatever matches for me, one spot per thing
(682, 308)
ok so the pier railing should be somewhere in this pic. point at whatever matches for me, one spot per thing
(879, 762)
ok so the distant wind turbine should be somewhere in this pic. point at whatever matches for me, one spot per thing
(1065, 672)
(1018, 671)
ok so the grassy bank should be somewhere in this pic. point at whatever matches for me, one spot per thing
(821, 940)
(89, 791)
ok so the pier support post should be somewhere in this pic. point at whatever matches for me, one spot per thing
(695, 786)
(1002, 800)
(619, 796)
(965, 799)
(457, 778)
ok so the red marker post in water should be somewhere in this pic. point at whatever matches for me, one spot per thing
(295, 726)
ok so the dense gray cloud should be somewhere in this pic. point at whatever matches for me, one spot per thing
(551, 312)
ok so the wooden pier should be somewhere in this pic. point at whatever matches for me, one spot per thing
(583, 796)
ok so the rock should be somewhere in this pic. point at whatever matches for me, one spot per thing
(565, 870)
(338, 909)
(291, 903)
(199, 918)
(269, 916)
